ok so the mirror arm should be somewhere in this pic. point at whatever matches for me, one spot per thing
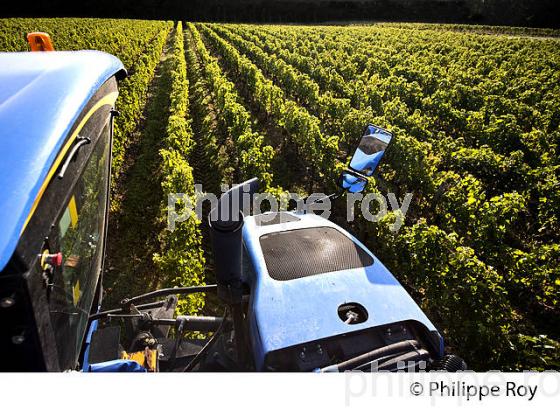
(331, 196)
(357, 174)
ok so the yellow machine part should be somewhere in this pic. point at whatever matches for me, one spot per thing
(146, 358)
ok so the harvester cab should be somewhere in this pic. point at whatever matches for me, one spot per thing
(299, 292)
(56, 113)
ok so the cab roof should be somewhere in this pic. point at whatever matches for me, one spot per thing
(41, 96)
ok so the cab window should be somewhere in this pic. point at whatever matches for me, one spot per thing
(79, 233)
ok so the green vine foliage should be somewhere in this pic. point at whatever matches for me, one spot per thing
(181, 259)
(476, 142)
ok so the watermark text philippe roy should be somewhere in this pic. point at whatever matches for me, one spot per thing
(372, 206)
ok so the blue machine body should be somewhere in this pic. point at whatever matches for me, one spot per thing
(292, 312)
(41, 96)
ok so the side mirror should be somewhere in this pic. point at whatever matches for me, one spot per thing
(366, 159)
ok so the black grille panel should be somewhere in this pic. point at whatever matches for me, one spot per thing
(311, 251)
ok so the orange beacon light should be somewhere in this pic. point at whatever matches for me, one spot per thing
(40, 41)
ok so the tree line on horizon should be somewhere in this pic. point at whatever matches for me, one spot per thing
(526, 13)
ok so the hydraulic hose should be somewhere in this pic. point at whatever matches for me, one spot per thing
(193, 323)
(414, 356)
(125, 303)
(349, 364)
(168, 291)
(206, 347)
(117, 311)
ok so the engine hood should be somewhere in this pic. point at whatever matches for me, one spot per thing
(290, 306)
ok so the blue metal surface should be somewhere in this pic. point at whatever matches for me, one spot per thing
(92, 328)
(115, 366)
(41, 96)
(287, 313)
